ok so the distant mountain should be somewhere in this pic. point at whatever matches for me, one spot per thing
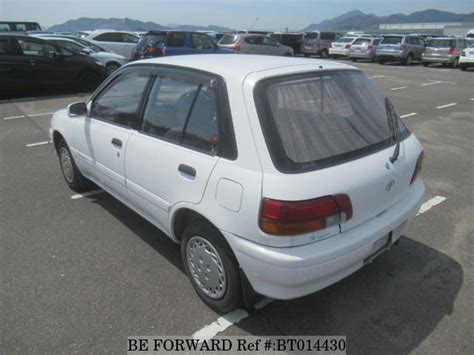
(357, 20)
(126, 24)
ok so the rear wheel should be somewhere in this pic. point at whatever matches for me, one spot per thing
(462, 67)
(381, 61)
(354, 59)
(75, 180)
(306, 55)
(88, 81)
(324, 53)
(425, 64)
(211, 266)
(455, 63)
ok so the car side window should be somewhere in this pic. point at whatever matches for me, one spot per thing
(255, 40)
(268, 41)
(109, 37)
(184, 113)
(168, 106)
(176, 39)
(201, 41)
(37, 49)
(119, 102)
(128, 38)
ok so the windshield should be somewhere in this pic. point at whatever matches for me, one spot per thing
(314, 120)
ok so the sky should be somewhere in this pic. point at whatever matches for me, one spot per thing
(271, 14)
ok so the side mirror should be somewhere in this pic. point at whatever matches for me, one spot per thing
(77, 109)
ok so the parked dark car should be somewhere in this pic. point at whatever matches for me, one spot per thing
(32, 64)
(293, 40)
(168, 43)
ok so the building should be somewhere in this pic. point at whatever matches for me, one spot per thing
(433, 28)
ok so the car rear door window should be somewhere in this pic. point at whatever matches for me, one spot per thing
(176, 39)
(109, 37)
(314, 120)
(128, 38)
(392, 40)
(119, 102)
(201, 41)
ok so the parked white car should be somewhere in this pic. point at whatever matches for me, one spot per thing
(278, 176)
(466, 60)
(112, 61)
(119, 42)
(341, 47)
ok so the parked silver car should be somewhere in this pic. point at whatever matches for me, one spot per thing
(443, 50)
(318, 43)
(254, 44)
(364, 48)
(341, 46)
(402, 48)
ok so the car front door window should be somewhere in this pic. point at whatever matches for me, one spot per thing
(119, 102)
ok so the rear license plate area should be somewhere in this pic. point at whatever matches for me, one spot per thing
(379, 247)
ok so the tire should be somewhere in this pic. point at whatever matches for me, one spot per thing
(462, 67)
(306, 55)
(88, 81)
(381, 61)
(407, 60)
(455, 63)
(288, 55)
(73, 177)
(201, 237)
(354, 59)
(324, 53)
(111, 67)
(425, 64)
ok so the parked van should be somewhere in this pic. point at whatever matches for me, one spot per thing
(19, 26)
(318, 43)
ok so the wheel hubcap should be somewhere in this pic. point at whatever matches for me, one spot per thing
(206, 267)
(66, 165)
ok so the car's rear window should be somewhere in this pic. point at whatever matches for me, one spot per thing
(391, 40)
(441, 43)
(319, 119)
(227, 39)
(345, 40)
(361, 41)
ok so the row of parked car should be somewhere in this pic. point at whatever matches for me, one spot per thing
(83, 60)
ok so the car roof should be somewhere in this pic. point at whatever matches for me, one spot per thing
(238, 66)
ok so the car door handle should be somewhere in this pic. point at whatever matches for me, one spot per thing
(187, 170)
(117, 142)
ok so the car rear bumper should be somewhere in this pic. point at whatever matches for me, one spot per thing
(286, 273)
(437, 59)
(311, 50)
(390, 54)
(361, 55)
(338, 51)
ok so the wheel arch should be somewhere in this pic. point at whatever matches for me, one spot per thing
(57, 137)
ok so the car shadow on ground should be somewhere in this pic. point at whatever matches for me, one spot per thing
(389, 306)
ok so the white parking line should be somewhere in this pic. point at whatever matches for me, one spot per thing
(86, 194)
(430, 204)
(32, 115)
(399, 88)
(409, 115)
(447, 105)
(222, 323)
(36, 144)
(431, 83)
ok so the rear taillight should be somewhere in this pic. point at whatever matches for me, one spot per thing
(235, 47)
(370, 46)
(463, 53)
(317, 45)
(287, 218)
(419, 162)
(347, 46)
(452, 51)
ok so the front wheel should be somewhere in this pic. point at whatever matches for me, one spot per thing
(111, 67)
(74, 179)
(407, 60)
(211, 266)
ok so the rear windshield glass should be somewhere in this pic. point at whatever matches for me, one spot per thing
(345, 39)
(228, 39)
(392, 40)
(441, 43)
(361, 41)
(315, 120)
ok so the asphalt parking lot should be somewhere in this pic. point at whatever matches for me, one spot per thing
(80, 274)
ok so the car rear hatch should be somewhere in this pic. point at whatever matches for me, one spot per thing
(441, 48)
(360, 45)
(333, 134)
(390, 43)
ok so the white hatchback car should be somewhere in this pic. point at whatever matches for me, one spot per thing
(278, 176)
(119, 42)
